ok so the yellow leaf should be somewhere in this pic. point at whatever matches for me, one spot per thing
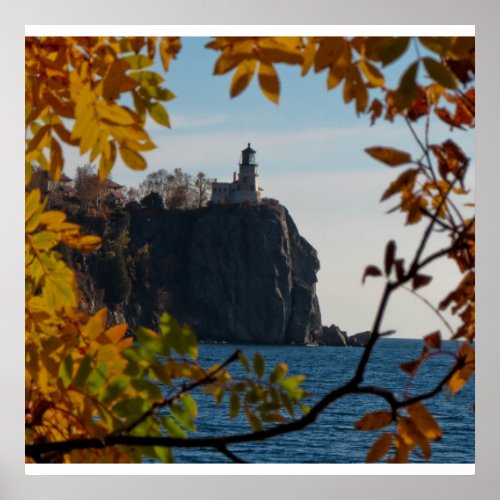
(89, 137)
(372, 73)
(424, 421)
(132, 159)
(379, 448)
(114, 113)
(242, 77)
(373, 421)
(44, 240)
(309, 55)
(84, 122)
(85, 244)
(56, 160)
(335, 76)
(269, 82)
(52, 217)
(32, 204)
(58, 290)
(107, 161)
(37, 143)
(389, 156)
(96, 324)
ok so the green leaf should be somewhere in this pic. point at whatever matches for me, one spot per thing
(83, 372)
(178, 337)
(440, 73)
(164, 454)
(182, 416)
(138, 61)
(253, 419)
(173, 428)
(258, 364)
(66, 370)
(114, 388)
(159, 114)
(148, 390)
(292, 382)
(244, 361)
(190, 405)
(97, 378)
(234, 405)
(131, 407)
(145, 78)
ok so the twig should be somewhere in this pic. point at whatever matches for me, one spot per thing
(208, 378)
(423, 299)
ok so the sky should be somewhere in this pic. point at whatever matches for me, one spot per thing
(310, 150)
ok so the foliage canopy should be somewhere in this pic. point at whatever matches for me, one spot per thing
(92, 393)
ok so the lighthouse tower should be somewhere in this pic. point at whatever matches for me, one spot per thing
(248, 177)
(245, 185)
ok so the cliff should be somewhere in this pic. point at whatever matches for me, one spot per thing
(234, 273)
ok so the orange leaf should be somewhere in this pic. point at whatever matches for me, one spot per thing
(459, 378)
(379, 448)
(411, 436)
(373, 421)
(117, 332)
(433, 339)
(424, 421)
(96, 324)
(411, 366)
(389, 156)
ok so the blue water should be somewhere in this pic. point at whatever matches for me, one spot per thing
(332, 439)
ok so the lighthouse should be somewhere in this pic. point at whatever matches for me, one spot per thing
(245, 185)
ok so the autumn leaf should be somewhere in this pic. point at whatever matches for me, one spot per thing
(372, 73)
(159, 114)
(389, 156)
(374, 421)
(379, 448)
(433, 340)
(440, 73)
(132, 159)
(411, 367)
(390, 253)
(424, 421)
(242, 77)
(269, 82)
(420, 280)
(407, 90)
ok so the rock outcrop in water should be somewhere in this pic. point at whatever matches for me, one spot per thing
(234, 273)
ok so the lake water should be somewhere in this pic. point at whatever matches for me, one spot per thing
(332, 439)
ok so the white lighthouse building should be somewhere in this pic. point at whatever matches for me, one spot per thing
(245, 185)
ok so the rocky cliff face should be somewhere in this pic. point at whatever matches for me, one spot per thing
(234, 273)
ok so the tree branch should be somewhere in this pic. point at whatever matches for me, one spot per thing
(208, 378)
